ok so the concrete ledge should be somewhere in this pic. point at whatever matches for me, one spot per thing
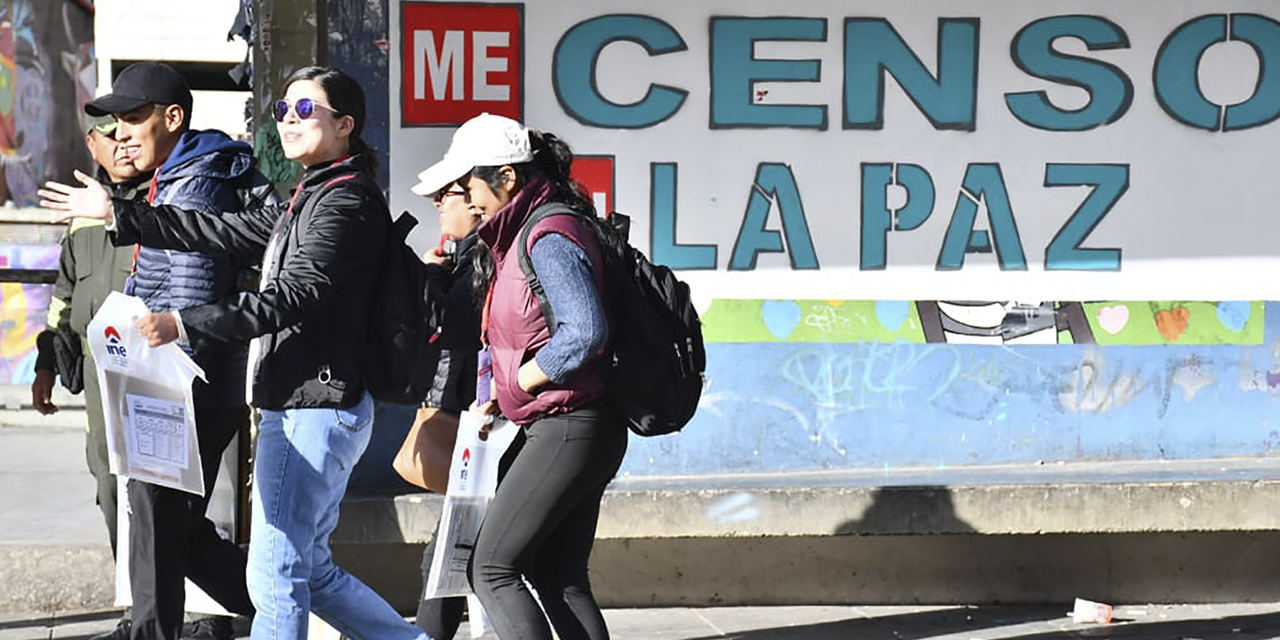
(1192, 531)
(15, 405)
(1183, 497)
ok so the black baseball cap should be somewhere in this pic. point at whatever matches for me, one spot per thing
(139, 84)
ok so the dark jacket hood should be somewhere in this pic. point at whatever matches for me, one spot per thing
(209, 153)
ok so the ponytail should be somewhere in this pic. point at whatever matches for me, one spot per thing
(551, 155)
(553, 159)
(360, 147)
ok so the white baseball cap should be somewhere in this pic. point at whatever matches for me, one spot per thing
(483, 141)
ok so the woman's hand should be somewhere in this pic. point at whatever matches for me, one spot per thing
(90, 201)
(437, 256)
(158, 328)
(530, 377)
(487, 408)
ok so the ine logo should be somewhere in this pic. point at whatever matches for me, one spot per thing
(466, 464)
(113, 343)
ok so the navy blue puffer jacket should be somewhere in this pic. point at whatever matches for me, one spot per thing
(207, 172)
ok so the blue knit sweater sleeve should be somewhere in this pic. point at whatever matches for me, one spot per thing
(581, 328)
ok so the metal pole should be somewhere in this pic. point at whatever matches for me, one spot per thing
(29, 276)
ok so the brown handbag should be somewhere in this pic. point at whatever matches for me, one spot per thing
(423, 459)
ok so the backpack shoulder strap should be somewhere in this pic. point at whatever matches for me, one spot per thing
(314, 198)
(539, 214)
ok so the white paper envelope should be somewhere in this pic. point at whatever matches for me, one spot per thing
(146, 399)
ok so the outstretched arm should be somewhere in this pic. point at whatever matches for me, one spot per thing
(243, 233)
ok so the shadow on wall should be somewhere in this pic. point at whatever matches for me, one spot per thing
(907, 510)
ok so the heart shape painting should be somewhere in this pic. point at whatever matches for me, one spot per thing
(780, 317)
(1234, 314)
(892, 313)
(1172, 323)
(1113, 319)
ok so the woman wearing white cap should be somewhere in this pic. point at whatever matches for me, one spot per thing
(547, 377)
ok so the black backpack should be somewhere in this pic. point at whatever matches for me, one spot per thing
(656, 376)
(398, 362)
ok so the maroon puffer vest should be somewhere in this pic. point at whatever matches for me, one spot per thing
(517, 330)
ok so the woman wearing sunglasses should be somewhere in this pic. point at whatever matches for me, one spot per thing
(321, 254)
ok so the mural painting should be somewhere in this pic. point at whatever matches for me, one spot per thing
(923, 236)
(47, 71)
(24, 307)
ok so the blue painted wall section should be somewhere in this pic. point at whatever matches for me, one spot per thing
(793, 407)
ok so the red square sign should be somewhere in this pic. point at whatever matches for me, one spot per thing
(595, 174)
(460, 60)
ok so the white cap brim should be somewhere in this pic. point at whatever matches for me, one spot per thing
(440, 174)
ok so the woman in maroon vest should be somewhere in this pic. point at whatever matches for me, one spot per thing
(541, 524)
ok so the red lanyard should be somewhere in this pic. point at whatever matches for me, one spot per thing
(296, 191)
(151, 190)
(151, 199)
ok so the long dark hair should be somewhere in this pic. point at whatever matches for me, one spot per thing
(347, 99)
(553, 159)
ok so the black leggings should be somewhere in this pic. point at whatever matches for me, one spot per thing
(541, 526)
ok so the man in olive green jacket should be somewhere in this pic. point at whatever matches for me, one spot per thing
(90, 268)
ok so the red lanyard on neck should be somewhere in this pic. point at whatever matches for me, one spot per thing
(296, 191)
(151, 190)
(151, 199)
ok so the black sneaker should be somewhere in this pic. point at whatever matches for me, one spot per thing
(211, 628)
(121, 632)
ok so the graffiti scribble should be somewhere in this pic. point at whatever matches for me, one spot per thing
(1091, 389)
(1191, 377)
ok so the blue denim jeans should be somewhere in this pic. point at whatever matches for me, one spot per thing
(304, 459)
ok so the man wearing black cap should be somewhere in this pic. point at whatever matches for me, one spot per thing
(169, 536)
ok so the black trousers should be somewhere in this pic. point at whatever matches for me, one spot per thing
(169, 536)
(541, 526)
(438, 617)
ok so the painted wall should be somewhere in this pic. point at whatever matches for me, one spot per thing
(818, 385)
(24, 307)
(840, 181)
(46, 72)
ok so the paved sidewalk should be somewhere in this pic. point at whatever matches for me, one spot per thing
(1148, 622)
(46, 503)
